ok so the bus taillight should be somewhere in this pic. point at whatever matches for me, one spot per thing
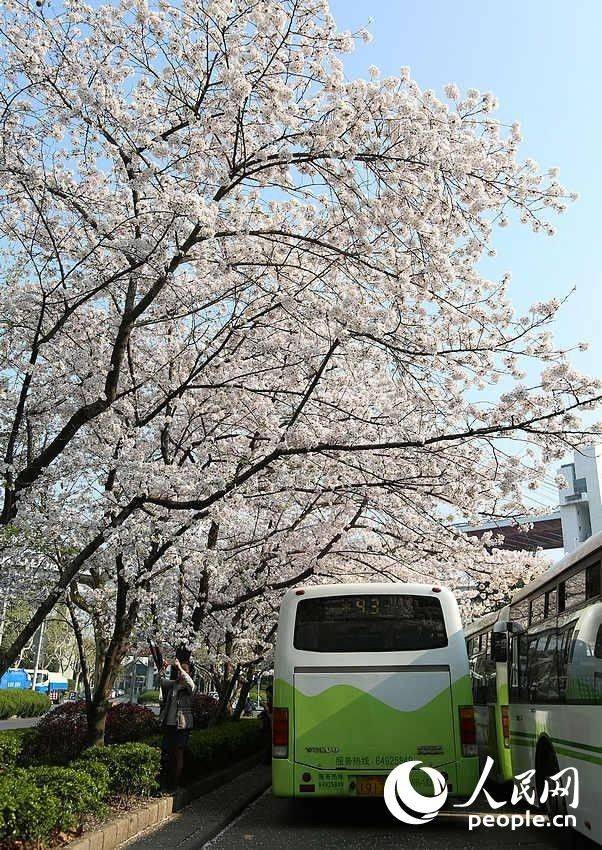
(506, 724)
(280, 733)
(468, 731)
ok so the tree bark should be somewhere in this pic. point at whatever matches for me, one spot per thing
(242, 698)
(96, 714)
(83, 661)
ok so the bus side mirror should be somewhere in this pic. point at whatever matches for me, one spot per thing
(499, 646)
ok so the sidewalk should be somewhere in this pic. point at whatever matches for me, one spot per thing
(204, 818)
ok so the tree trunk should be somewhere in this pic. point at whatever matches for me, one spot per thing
(108, 658)
(96, 713)
(83, 671)
(228, 685)
(242, 698)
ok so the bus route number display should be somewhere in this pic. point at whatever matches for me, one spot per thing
(379, 605)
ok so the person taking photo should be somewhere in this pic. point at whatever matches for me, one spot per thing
(176, 717)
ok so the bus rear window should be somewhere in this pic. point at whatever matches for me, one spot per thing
(370, 623)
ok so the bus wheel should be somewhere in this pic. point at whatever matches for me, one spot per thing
(546, 765)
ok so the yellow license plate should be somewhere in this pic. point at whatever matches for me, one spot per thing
(370, 786)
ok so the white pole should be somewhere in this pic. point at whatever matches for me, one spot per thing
(3, 618)
(5, 605)
(38, 653)
(133, 688)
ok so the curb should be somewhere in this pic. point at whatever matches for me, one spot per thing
(129, 826)
(208, 834)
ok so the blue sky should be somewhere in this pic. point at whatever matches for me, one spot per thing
(541, 58)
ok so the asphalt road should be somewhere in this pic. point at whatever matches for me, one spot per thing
(19, 723)
(277, 824)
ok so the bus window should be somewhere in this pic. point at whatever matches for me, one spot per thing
(574, 590)
(519, 684)
(535, 663)
(598, 647)
(543, 668)
(482, 671)
(592, 581)
(520, 612)
(538, 607)
(561, 597)
(378, 623)
(565, 646)
(550, 604)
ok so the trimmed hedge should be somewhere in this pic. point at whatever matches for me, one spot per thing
(132, 768)
(17, 703)
(149, 697)
(219, 746)
(222, 745)
(60, 735)
(11, 742)
(128, 722)
(27, 812)
(204, 709)
(40, 802)
(80, 791)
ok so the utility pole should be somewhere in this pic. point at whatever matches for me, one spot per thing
(3, 617)
(5, 605)
(38, 654)
(133, 688)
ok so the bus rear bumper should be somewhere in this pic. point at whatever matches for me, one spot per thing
(297, 780)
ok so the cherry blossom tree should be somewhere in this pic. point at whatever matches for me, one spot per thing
(236, 283)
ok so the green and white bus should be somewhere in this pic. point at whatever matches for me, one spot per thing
(368, 676)
(490, 696)
(537, 681)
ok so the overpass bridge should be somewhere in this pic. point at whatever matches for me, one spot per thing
(544, 532)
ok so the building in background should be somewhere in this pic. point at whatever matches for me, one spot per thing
(146, 678)
(580, 501)
(565, 527)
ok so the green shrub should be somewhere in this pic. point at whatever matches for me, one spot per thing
(37, 802)
(17, 703)
(80, 791)
(133, 768)
(154, 740)
(153, 697)
(219, 746)
(11, 741)
(222, 745)
(28, 812)
(99, 773)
